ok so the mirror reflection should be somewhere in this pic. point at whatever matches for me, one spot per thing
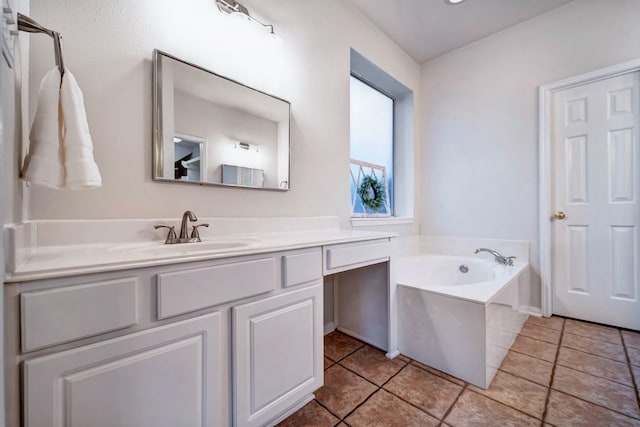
(213, 130)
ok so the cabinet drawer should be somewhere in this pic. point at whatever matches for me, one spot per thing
(353, 255)
(301, 268)
(190, 290)
(54, 316)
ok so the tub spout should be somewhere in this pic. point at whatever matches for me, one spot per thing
(505, 260)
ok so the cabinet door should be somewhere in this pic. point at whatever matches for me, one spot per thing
(165, 376)
(278, 348)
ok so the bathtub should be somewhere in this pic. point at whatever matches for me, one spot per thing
(459, 314)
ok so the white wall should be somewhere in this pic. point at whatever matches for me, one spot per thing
(108, 46)
(479, 115)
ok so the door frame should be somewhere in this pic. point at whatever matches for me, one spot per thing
(545, 166)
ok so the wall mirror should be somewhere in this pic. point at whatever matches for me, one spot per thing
(209, 129)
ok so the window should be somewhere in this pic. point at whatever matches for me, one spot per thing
(371, 150)
(381, 145)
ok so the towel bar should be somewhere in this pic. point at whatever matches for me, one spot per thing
(30, 26)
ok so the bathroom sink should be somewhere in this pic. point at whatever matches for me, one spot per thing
(157, 248)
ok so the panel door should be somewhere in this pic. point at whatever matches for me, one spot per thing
(165, 376)
(278, 354)
(596, 190)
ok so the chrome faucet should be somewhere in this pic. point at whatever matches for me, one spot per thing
(505, 260)
(172, 238)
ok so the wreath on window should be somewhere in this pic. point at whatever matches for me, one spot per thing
(371, 193)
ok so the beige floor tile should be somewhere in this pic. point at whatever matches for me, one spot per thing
(540, 333)
(590, 330)
(517, 393)
(384, 409)
(328, 362)
(634, 355)
(372, 364)
(536, 348)
(597, 347)
(343, 390)
(528, 367)
(552, 322)
(425, 390)
(338, 345)
(564, 410)
(310, 415)
(595, 365)
(438, 373)
(631, 339)
(597, 390)
(473, 409)
(636, 374)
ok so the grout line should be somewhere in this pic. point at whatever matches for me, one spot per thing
(448, 411)
(530, 355)
(553, 374)
(403, 399)
(633, 378)
(328, 410)
(438, 373)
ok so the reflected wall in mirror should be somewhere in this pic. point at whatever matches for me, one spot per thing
(209, 129)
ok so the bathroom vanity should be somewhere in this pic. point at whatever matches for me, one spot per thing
(145, 335)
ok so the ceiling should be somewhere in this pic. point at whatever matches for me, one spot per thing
(426, 29)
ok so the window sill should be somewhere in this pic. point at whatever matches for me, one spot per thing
(368, 222)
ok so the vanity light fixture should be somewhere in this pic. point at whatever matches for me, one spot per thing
(246, 146)
(453, 1)
(230, 7)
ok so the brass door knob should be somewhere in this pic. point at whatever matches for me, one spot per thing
(559, 215)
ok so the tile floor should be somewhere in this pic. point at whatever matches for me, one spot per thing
(559, 372)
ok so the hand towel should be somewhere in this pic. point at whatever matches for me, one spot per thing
(81, 170)
(61, 151)
(44, 164)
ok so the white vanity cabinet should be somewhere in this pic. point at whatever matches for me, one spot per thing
(164, 376)
(234, 341)
(277, 354)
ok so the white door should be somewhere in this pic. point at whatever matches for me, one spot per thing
(165, 376)
(596, 190)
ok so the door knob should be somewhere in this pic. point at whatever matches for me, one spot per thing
(559, 215)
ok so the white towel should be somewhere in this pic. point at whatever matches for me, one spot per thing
(44, 164)
(61, 157)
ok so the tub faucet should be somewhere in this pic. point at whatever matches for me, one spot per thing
(505, 260)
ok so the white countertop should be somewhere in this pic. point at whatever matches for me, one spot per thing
(52, 261)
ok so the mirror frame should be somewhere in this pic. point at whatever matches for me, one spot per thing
(157, 160)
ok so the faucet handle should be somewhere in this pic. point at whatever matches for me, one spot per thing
(171, 236)
(510, 259)
(195, 234)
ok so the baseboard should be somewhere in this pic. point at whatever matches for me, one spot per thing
(291, 411)
(360, 337)
(393, 354)
(533, 311)
(329, 327)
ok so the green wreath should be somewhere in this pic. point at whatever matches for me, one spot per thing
(371, 193)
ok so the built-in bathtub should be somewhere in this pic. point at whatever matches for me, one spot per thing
(459, 314)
